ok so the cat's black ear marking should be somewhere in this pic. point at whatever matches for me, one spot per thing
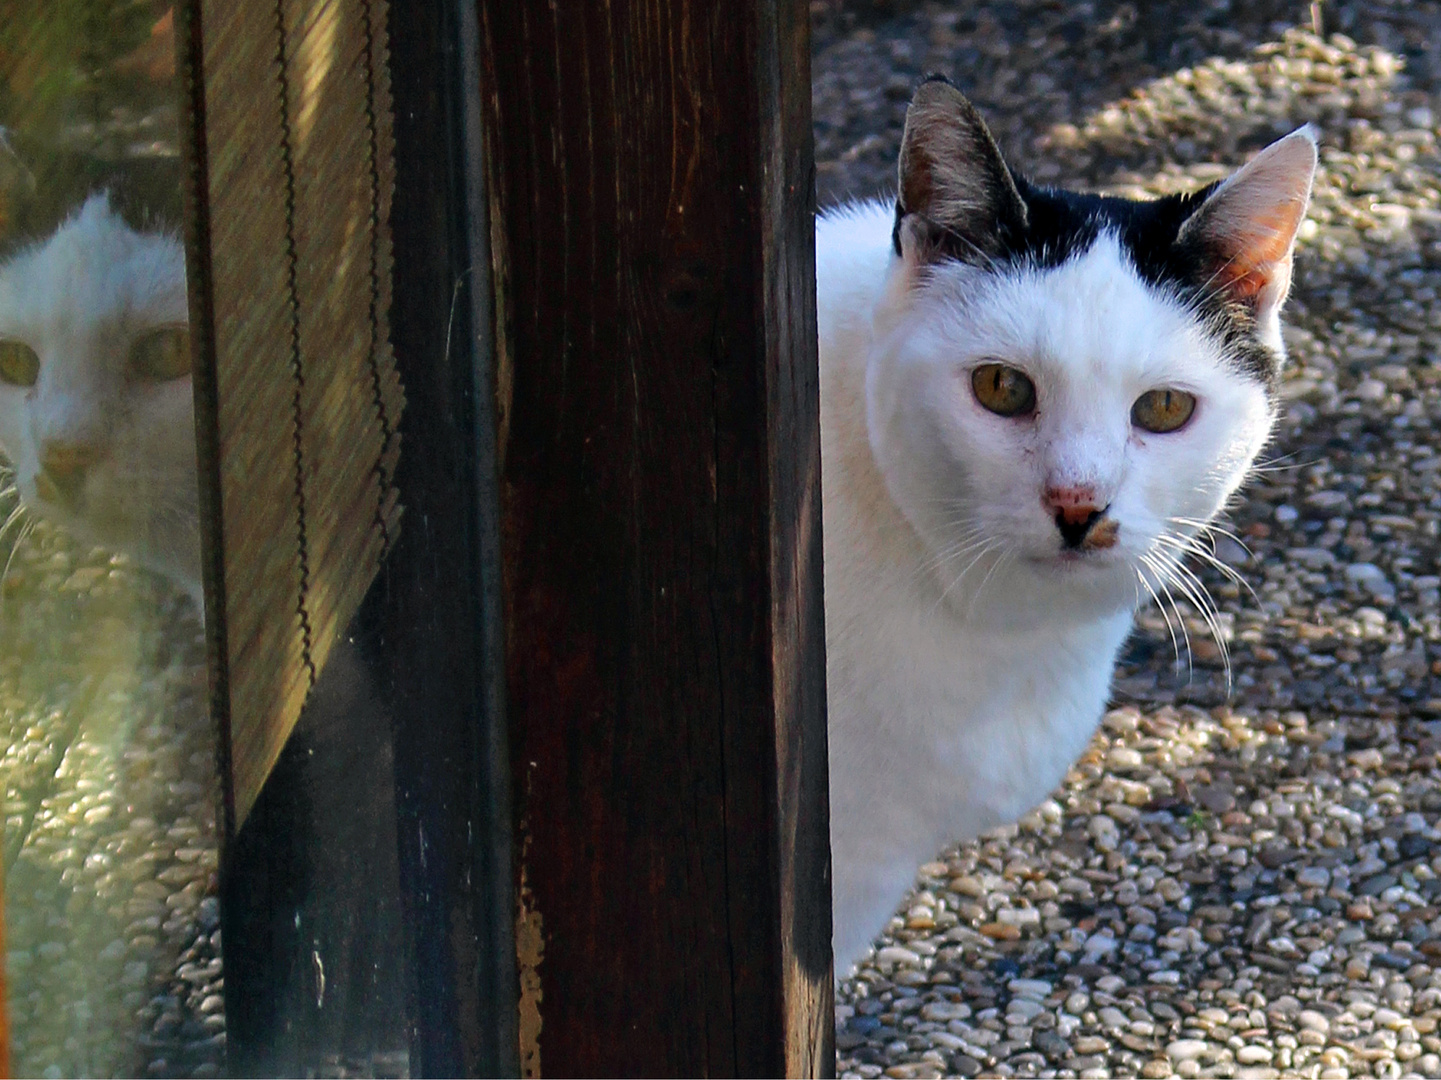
(953, 178)
(1243, 234)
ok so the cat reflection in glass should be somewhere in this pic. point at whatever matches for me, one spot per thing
(96, 414)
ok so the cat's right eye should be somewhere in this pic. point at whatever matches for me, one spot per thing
(19, 363)
(161, 355)
(1003, 390)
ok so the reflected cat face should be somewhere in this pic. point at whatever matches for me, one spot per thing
(96, 413)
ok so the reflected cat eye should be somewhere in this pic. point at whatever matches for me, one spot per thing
(1003, 389)
(19, 363)
(1160, 411)
(161, 355)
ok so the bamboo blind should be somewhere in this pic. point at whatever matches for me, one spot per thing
(297, 127)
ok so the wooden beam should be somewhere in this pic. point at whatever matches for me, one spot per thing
(652, 196)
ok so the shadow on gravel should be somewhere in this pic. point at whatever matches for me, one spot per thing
(1036, 65)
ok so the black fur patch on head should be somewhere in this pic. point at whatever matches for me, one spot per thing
(959, 200)
(1061, 225)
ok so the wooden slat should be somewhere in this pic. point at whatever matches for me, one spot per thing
(651, 188)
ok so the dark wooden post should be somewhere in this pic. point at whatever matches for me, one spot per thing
(651, 198)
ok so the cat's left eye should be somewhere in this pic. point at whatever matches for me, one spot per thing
(161, 355)
(1003, 390)
(1160, 411)
(19, 365)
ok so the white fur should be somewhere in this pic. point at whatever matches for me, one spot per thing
(968, 659)
(80, 299)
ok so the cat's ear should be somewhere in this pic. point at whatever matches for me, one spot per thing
(1245, 230)
(957, 197)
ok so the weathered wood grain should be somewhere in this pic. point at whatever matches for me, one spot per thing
(651, 189)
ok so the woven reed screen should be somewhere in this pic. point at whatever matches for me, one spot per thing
(294, 108)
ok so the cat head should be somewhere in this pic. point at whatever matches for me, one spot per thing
(1065, 387)
(96, 414)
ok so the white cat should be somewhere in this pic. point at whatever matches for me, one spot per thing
(1031, 400)
(96, 413)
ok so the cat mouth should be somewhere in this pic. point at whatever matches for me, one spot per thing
(64, 494)
(1083, 545)
(1073, 560)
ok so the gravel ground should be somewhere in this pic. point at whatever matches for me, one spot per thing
(110, 788)
(1237, 879)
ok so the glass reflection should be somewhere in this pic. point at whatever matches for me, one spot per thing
(108, 768)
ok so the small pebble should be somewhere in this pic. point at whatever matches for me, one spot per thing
(1185, 1049)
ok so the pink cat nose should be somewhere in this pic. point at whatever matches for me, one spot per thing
(1079, 518)
(1073, 505)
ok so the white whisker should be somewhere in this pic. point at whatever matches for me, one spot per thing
(1162, 575)
(1195, 591)
(975, 597)
(1189, 546)
(26, 528)
(1141, 577)
(986, 548)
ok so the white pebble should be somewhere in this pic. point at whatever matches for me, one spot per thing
(1371, 390)
(940, 1012)
(1032, 988)
(1185, 1049)
(1371, 578)
(1023, 1009)
(892, 955)
(1124, 759)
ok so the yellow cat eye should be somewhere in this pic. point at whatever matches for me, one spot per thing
(1161, 411)
(19, 363)
(1003, 389)
(161, 355)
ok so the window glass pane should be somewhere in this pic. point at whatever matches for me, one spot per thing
(108, 770)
